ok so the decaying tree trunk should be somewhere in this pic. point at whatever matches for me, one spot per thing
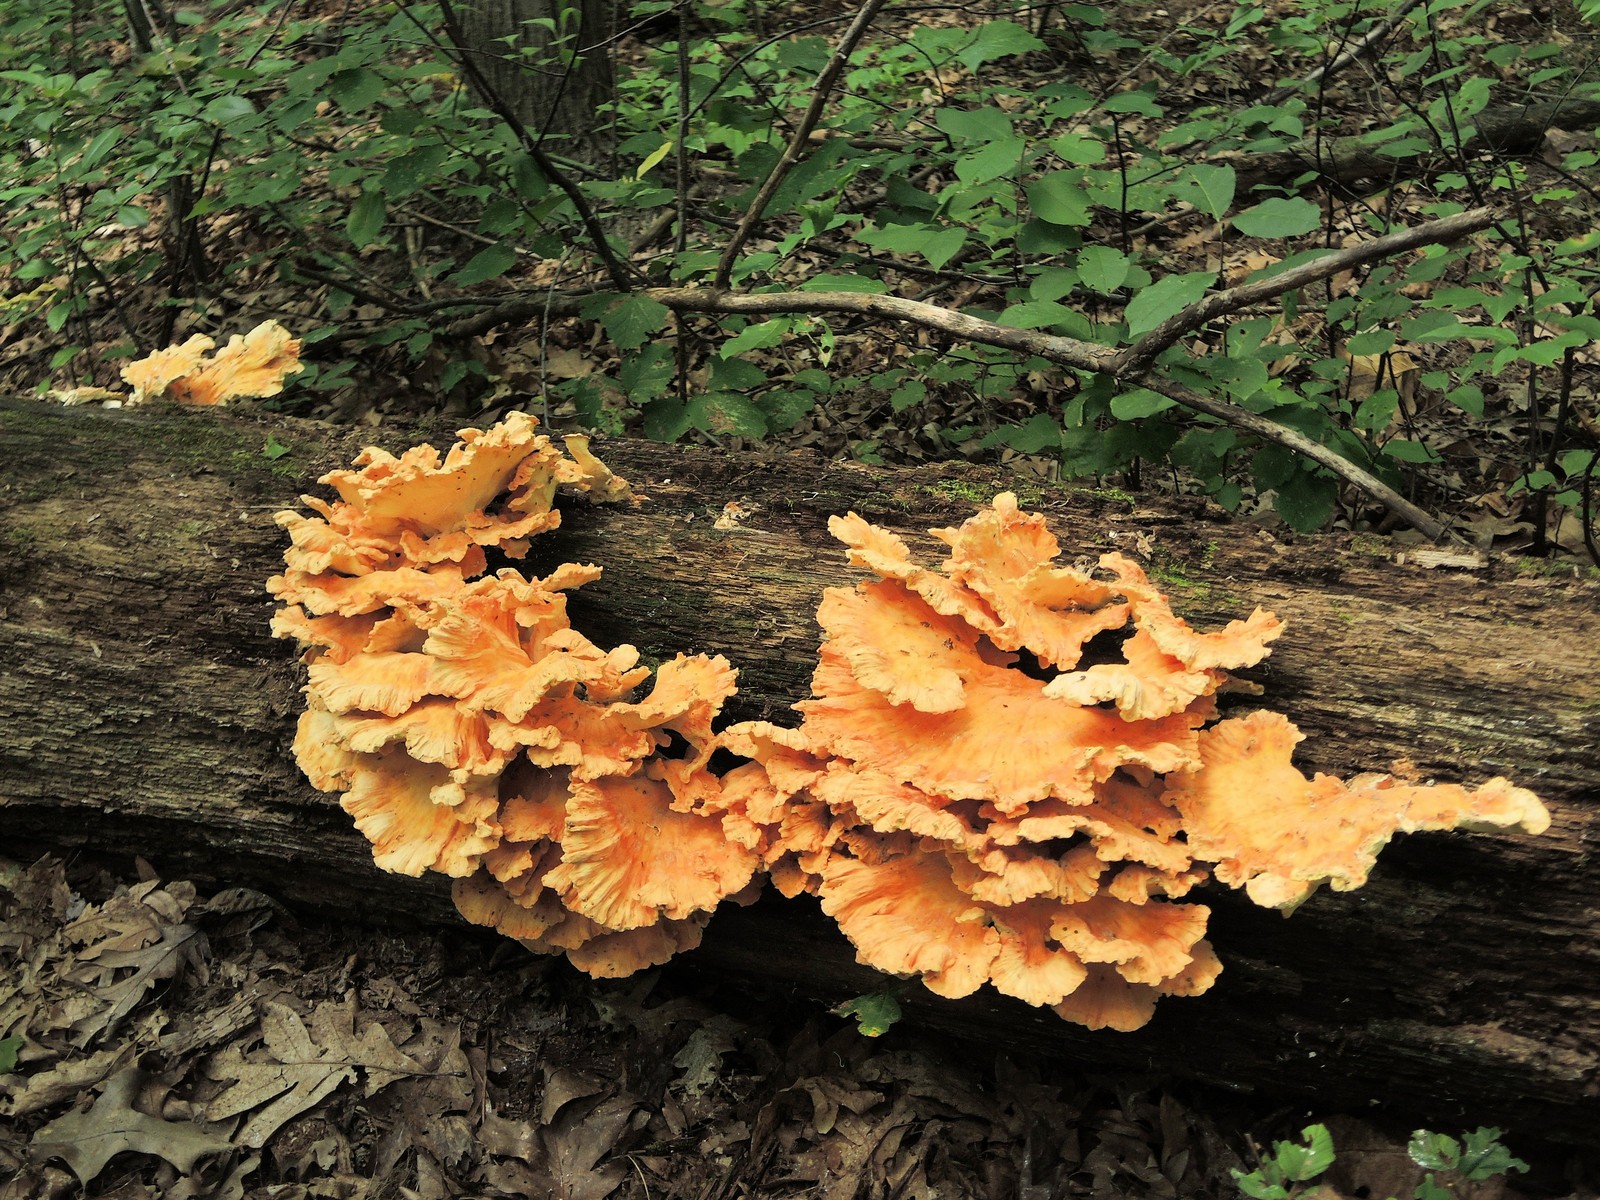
(517, 54)
(146, 711)
(1512, 131)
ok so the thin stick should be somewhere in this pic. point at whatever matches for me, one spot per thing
(1142, 353)
(1130, 365)
(1327, 71)
(797, 142)
(1292, 439)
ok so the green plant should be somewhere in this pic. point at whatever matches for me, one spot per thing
(1291, 1166)
(875, 1013)
(806, 193)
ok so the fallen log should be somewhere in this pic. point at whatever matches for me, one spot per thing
(1513, 131)
(147, 712)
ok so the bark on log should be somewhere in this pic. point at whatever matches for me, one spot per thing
(1512, 131)
(146, 711)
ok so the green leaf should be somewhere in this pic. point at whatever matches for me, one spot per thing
(1216, 186)
(1435, 1151)
(225, 109)
(758, 336)
(355, 88)
(939, 246)
(1140, 101)
(1053, 283)
(666, 420)
(977, 126)
(1141, 402)
(651, 159)
(998, 158)
(1403, 450)
(1081, 150)
(997, 39)
(489, 263)
(1306, 502)
(1483, 1157)
(365, 221)
(8, 1053)
(1035, 314)
(1163, 298)
(1042, 431)
(726, 412)
(274, 449)
(874, 1014)
(1102, 268)
(936, 244)
(1060, 198)
(1279, 218)
(414, 170)
(101, 146)
(633, 319)
(1257, 1188)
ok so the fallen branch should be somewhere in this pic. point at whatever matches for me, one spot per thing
(1139, 356)
(1131, 365)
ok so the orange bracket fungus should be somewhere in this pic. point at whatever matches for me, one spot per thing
(1012, 772)
(472, 731)
(251, 366)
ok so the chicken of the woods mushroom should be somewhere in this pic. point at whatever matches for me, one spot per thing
(1013, 772)
(472, 731)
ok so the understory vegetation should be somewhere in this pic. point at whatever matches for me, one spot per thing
(1119, 243)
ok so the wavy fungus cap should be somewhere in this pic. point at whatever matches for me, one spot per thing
(1280, 836)
(1003, 776)
(251, 366)
(474, 732)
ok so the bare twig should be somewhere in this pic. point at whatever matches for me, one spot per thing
(797, 142)
(1293, 439)
(1328, 70)
(1139, 356)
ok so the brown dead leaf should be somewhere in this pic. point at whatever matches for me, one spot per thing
(578, 1132)
(87, 1140)
(297, 1067)
(180, 945)
(60, 1083)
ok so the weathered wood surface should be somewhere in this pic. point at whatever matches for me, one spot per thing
(146, 711)
(1513, 131)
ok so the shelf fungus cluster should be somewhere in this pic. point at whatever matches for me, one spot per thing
(250, 366)
(473, 732)
(1012, 772)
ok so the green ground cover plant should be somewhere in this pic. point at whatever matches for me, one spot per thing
(988, 230)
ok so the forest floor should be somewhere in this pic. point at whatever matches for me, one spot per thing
(240, 1050)
(182, 1044)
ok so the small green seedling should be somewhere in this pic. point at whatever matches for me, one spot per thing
(875, 1014)
(1476, 1157)
(1285, 1172)
(1290, 1165)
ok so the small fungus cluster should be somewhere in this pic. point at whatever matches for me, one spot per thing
(1011, 771)
(251, 365)
(474, 732)
(1005, 777)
